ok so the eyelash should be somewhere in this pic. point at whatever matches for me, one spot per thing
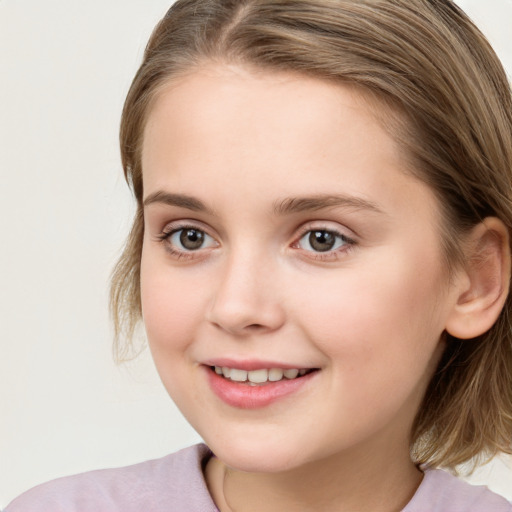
(330, 255)
(166, 234)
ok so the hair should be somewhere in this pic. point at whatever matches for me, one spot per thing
(447, 102)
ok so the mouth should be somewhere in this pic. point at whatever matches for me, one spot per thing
(258, 387)
(260, 376)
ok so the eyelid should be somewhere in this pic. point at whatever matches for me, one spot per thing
(175, 231)
(175, 226)
(327, 226)
(331, 255)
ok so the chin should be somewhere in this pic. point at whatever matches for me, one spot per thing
(251, 456)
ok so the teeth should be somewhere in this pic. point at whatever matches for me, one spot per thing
(275, 374)
(291, 374)
(238, 375)
(259, 376)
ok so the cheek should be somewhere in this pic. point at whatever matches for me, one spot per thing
(380, 331)
(172, 311)
(386, 313)
(171, 305)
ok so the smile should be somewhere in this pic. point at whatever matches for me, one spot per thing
(260, 376)
(259, 387)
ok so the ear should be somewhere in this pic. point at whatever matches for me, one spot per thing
(484, 289)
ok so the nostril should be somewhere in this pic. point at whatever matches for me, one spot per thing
(255, 328)
(245, 316)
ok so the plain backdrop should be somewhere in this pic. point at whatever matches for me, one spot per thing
(65, 407)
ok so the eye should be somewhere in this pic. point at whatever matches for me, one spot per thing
(323, 240)
(186, 242)
(189, 239)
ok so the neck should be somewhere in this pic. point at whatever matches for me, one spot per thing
(342, 482)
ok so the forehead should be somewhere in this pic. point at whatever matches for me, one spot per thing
(262, 101)
(219, 103)
(246, 128)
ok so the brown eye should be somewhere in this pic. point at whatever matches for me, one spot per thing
(322, 240)
(190, 239)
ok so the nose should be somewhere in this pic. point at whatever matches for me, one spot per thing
(246, 299)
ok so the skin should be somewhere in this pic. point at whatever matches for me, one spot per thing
(369, 314)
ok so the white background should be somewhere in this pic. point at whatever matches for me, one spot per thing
(65, 407)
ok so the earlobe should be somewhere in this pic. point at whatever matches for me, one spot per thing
(482, 294)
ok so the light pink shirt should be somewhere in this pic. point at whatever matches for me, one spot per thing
(175, 484)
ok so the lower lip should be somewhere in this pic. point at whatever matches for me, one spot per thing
(245, 396)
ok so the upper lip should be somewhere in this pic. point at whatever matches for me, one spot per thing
(252, 364)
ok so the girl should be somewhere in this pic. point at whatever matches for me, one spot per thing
(320, 256)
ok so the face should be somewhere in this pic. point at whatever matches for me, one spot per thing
(283, 233)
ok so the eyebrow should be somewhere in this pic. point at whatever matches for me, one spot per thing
(322, 201)
(180, 200)
(282, 207)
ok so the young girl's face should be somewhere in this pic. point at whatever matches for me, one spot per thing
(283, 232)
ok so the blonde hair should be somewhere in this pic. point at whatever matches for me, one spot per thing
(450, 107)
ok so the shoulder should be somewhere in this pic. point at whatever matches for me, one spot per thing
(172, 483)
(443, 492)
